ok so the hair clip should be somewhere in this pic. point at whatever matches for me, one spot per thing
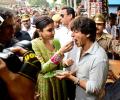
(1, 20)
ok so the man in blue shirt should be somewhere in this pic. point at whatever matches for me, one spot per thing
(91, 61)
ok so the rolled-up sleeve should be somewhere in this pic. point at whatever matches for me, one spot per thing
(98, 76)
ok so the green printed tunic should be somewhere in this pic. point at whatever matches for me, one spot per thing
(49, 87)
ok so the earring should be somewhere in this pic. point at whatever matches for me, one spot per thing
(88, 35)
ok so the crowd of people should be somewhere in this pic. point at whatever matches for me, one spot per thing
(62, 55)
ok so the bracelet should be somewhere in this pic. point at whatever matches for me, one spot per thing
(77, 81)
(56, 58)
(60, 53)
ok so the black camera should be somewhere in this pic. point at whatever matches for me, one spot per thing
(16, 65)
(27, 68)
(11, 59)
(24, 44)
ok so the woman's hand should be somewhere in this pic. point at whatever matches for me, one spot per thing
(67, 47)
(68, 62)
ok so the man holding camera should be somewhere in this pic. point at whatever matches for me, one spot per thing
(17, 83)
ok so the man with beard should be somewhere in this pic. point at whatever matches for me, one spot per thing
(26, 25)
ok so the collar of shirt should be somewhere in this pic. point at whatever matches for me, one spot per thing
(92, 49)
(25, 29)
(103, 36)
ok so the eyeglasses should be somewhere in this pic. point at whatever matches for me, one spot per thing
(62, 15)
(50, 30)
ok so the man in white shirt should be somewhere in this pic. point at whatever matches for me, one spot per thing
(63, 34)
(26, 25)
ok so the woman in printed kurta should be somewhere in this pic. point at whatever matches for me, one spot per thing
(49, 53)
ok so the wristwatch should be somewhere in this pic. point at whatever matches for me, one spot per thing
(77, 81)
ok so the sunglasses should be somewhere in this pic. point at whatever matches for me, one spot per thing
(62, 15)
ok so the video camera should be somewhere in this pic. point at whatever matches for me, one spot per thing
(29, 68)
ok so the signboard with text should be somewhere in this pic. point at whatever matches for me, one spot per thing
(99, 6)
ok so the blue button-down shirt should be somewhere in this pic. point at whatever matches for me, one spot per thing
(92, 67)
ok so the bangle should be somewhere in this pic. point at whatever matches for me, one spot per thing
(76, 81)
(56, 58)
(60, 53)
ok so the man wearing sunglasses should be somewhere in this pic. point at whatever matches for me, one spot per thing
(64, 35)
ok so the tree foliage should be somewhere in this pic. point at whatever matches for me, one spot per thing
(78, 1)
(40, 3)
(65, 1)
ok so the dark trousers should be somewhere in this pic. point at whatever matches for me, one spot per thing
(70, 89)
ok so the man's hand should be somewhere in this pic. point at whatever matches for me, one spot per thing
(62, 75)
(68, 62)
(18, 50)
(2, 64)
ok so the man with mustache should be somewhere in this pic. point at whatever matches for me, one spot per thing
(112, 47)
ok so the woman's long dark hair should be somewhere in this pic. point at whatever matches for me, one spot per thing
(42, 22)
